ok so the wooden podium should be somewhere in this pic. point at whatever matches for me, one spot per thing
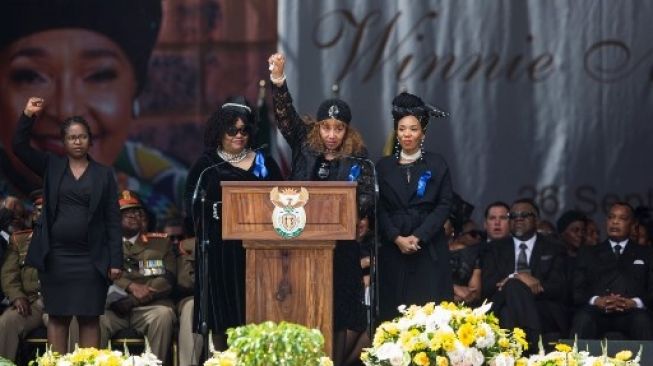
(290, 279)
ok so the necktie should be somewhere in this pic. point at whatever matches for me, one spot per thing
(522, 260)
(617, 250)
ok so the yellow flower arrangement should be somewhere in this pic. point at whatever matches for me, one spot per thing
(443, 335)
(565, 355)
(96, 357)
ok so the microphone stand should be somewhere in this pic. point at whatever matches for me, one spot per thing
(202, 241)
(374, 272)
(204, 275)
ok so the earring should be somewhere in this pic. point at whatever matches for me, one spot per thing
(136, 108)
(421, 149)
(397, 148)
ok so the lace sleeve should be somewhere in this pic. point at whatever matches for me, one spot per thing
(292, 127)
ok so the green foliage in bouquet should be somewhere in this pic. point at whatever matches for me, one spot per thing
(6, 362)
(283, 344)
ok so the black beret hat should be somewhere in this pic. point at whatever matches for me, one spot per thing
(132, 24)
(568, 218)
(334, 108)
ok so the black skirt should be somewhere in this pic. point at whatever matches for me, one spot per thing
(71, 285)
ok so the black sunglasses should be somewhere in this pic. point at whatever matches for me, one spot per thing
(520, 215)
(233, 131)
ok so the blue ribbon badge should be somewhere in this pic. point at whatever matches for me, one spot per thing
(354, 172)
(260, 171)
(421, 183)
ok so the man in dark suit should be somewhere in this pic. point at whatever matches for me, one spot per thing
(523, 276)
(613, 282)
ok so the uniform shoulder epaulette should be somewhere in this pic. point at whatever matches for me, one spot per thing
(157, 235)
(21, 232)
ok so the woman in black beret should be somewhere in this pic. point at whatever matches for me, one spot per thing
(415, 198)
(328, 150)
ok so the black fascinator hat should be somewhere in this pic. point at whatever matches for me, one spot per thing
(406, 104)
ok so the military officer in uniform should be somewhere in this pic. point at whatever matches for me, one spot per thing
(20, 283)
(149, 275)
(190, 344)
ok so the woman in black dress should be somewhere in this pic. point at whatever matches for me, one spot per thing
(77, 244)
(330, 150)
(414, 202)
(228, 156)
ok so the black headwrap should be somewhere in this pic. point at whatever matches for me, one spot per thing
(406, 104)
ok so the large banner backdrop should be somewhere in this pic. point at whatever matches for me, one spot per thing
(548, 99)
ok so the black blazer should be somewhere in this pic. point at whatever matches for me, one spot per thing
(104, 231)
(598, 272)
(547, 263)
(402, 211)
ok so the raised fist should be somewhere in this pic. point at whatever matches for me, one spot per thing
(277, 62)
(34, 106)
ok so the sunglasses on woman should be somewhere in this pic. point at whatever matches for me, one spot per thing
(233, 131)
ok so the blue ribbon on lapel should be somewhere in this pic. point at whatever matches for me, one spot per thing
(354, 172)
(260, 171)
(421, 183)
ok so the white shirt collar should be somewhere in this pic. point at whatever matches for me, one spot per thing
(132, 239)
(530, 243)
(621, 243)
(5, 235)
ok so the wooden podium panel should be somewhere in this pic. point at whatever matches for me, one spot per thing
(330, 211)
(290, 279)
(291, 284)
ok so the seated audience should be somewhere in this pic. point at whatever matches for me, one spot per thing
(523, 277)
(149, 275)
(613, 282)
(20, 283)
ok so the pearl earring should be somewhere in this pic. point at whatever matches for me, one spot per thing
(421, 149)
(397, 149)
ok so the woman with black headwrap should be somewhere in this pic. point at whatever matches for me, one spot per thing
(414, 201)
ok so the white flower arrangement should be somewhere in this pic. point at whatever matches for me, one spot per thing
(443, 335)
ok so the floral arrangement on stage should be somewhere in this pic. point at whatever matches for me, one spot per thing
(443, 335)
(566, 355)
(268, 343)
(5, 362)
(96, 357)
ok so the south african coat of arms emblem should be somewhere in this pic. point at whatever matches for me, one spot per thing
(288, 216)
